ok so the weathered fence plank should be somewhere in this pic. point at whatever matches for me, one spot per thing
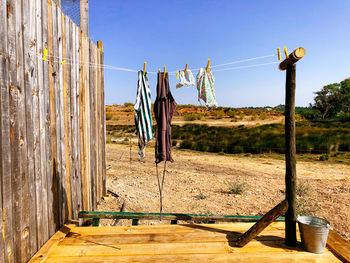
(66, 97)
(41, 181)
(21, 189)
(92, 120)
(32, 124)
(5, 148)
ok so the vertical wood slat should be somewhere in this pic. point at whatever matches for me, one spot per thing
(3, 84)
(32, 127)
(6, 16)
(103, 128)
(92, 121)
(21, 191)
(53, 193)
(62, 182)
(84, 121)
(98, 126)
(67, 124)
(78, 174)
(41, 181)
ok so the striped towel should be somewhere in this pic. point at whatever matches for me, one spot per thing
(143, 115)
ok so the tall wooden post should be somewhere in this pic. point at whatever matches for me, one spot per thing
(84, 16)
(291, 176)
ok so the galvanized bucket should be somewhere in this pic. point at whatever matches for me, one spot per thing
(313, 233)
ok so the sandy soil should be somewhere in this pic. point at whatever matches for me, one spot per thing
(200, 182)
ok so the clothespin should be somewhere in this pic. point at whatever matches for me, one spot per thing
(286, 52)
(63, 62)
(159, 70)
(144, 68)
(164, 72)
(45, 54)
(208, 65)
(186, 68)
(177, 74)
(279, 53)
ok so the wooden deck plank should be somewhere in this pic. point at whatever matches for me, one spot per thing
(170, 228)
(51, 244)
(338, 246)
(200, 258)
(174, 243)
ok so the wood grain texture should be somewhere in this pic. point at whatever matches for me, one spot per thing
(48, 170)
(67, 123)
(40, 139)
(79, 188)
(92, 120)
(41, 178)
(175, 243)
(31, 119)
(84, 16)
(291, 176)
(5, 130)
(21, 189)
(259, 226)
(338, 246)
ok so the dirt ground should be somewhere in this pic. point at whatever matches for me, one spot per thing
(200, 182)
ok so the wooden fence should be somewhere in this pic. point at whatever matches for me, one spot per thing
(52, 128)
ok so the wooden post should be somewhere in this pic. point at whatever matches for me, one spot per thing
(84, 16)
(291, 177)
(259, 226)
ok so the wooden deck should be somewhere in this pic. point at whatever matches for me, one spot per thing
(178, 243)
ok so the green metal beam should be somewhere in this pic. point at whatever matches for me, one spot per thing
(170, 216)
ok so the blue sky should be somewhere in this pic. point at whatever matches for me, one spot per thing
(172, 33)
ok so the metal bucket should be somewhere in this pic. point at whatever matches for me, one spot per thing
(313, 233)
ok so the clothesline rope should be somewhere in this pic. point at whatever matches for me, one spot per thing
(174, 72)
(71, 61)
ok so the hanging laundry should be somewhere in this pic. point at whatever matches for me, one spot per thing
(164, 108)
(143, 114)
(187, 79)
(205, 87)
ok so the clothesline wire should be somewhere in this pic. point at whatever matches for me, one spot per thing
(73, 61)
(174, 72)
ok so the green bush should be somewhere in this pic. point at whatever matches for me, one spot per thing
(231, 113)
(237, 187)
(109, 116)
(218, 114)
(129, 104)
(324, 157)
(174, 142)
(192, 116)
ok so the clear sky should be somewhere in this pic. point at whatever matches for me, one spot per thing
(172, 33)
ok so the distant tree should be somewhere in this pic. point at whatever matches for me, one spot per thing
(333, 99)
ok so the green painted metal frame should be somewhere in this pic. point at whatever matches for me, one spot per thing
(173, 217)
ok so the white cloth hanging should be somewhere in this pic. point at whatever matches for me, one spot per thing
(187, 79)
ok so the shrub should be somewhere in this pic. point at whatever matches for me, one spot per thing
(324, 157)
(219, 114)
(201, 196)
(241, 116)
(174, 142)
(128, 104)
(192, 116)
(109, 116)
(231, 113)
(302, 188)
(237, 187)
(263, 116)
